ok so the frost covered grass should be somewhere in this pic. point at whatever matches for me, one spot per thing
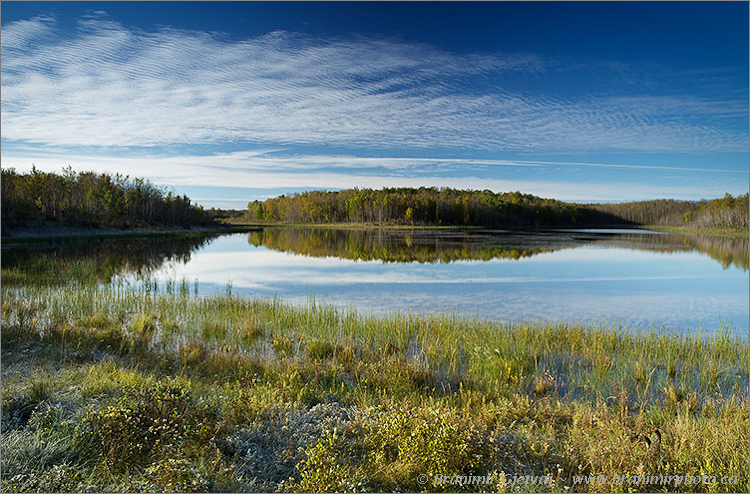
(120, 389)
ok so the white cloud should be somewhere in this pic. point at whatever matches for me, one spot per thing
(263, 170)
(252, 267)
(109, 86)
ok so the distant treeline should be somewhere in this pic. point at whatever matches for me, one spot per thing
(444, 206)
(93, 199)
(427, 206)
(728, 213)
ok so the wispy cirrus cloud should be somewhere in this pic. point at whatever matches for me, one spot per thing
(108, 86)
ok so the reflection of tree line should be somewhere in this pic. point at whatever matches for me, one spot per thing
(403, 246)
(447, 245)
(101, 261)
(727, 250)
(94, 261)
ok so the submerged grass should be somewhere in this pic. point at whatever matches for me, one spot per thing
(116, 389)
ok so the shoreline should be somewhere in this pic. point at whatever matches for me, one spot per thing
(47, 232)
(53, 232)
(398, 226)
(693, 231)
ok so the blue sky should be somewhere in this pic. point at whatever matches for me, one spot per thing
(230, 102)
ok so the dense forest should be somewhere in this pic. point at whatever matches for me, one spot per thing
(729, 213)
(427, 206)
(444, 206)
(93, 199)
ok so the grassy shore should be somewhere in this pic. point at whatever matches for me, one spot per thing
(51, 231)
(704, 231)
(244, 222)
(122, 389)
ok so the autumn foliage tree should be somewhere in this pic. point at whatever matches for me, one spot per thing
(92, 199)
(727, 213)
(426, 206)
(445, 206)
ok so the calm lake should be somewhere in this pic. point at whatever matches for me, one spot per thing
(634, 278)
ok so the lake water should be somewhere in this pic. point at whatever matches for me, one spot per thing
(634, 278)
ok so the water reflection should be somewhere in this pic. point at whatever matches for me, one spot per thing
(423, 246)
(95, 261)
(431, 246)
(640, 279)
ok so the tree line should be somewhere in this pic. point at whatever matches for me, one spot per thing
(427, 206)
(445, 206)
(100, 199)
(93, 199)
(728, 213)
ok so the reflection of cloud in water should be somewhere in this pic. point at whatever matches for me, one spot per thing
(446, 246)
(639, 288)
(258, 267)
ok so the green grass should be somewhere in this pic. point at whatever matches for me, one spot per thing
(261, 395)
(705, 231)
(31, 236)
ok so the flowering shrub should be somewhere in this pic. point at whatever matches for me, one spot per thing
(407, 442)
(61, 478)
(268, 450)
(123, 434)
(173, 475)
(326, 468)
(156, 422)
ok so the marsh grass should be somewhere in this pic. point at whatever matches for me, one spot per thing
(272, 396)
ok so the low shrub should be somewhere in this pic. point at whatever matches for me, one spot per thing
(173, 475)
(157, 422)
(143, 329)
(398, 376)
(60, 478)
(283, 345)
(212, 330)
(268, 449)
(319, 349)
(406, 442)
(251, 332)
(346, 355)
(46, 415)
(122, 432)
(327, 469)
